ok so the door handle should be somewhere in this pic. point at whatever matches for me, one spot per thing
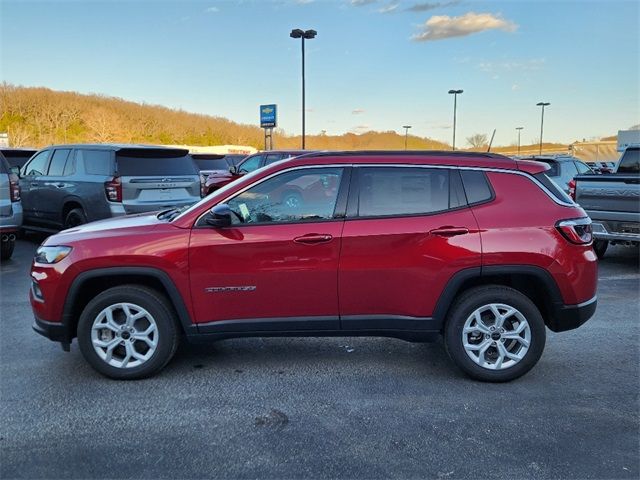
(35, 184)
(313, 238)
(449, 231)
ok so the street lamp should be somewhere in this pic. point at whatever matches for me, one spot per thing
(303, 34)
(542, 104)
(519, 129)
(455, 94)
(406, 132)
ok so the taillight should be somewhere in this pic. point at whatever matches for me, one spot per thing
(113, 189)
(203, 185)
(572, 190)
(577, 230)
(14, 187)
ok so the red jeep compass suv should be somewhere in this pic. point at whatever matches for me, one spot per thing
(479, 248)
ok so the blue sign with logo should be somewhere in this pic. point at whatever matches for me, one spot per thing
(268, 117)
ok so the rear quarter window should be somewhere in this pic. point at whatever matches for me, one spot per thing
(96, 162)
(550, 185)
(476, 186)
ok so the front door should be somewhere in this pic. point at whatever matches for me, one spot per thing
(276, 266)
(408, 230)
(31, 185)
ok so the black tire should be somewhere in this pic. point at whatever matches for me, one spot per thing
(600, 247)
(153, 302)
(6, 249)
(74, 218)
(475, 298)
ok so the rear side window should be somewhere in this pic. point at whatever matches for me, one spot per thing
(96, 162)
(476, 186)
(58, 161)
(553, 188)
(402, 191)
(630, 161)
(155, 166)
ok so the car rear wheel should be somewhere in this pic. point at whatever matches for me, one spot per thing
(6, 249)
(74, 218)
(600, 247)
(128, 332)
(494, 333)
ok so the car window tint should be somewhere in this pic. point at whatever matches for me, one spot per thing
(554, 167)
(148, 166)
(582, 168)
(476, 186)
(37, 165)
(273, 157)
(58, 161)
(251, 164)
(568, 171)
(297, 196)
(70, 166)
(212, 163)
(630, 161)
(402, 191)
(96, 162)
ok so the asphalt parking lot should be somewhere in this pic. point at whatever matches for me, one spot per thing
(326, 408)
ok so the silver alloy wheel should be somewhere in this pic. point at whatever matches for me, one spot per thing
(496, 336)
(124, 335)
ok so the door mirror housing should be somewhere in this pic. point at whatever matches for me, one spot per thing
(15, 171)
(233, 170)
(219, 216)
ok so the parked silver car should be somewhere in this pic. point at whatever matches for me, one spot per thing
(68, 185)
(10, 209)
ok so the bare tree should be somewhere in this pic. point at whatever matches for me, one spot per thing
(478, 140)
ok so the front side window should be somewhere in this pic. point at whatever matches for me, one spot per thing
(58, 161)
(402, 191)
(36, 166)
(296, 196)
(251, 164)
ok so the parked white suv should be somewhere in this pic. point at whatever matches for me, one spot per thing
(10, 209)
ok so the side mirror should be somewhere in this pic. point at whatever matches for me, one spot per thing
(15, 171)
(233, 170)
(219, 216)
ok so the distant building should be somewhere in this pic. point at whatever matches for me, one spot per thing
(4, 139)
(221, 149)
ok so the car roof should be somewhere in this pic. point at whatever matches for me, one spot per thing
(426, 157)
(551, 158)
(113, 146)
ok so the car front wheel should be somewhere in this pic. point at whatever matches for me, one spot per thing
(128, 332)
(494, 333)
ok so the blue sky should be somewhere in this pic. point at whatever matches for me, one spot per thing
(375, 65)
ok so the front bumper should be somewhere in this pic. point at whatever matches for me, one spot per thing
(568, 317)
(58, 332)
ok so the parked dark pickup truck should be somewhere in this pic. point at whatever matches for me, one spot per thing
(613, 202)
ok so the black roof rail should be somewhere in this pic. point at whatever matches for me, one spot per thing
(410, 153)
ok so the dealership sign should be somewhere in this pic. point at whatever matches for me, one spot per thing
(268, 117)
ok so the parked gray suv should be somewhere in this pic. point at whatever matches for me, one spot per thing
(10, 209)
(68, 185)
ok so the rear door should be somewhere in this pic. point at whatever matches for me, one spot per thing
(5, 189)
(54, 188)
(408, 230)
(156, 179)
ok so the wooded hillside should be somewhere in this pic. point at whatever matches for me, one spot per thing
(39, 116)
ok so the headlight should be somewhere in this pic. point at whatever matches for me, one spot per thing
(52, 254)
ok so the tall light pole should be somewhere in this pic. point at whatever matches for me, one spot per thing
(303, 34)
(542, 104)
(406, 133)
(519, 129)
(455, 94)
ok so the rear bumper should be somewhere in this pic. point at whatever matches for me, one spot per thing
(568, 317)
(13, 222)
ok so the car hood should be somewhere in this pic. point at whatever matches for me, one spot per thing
(111, 227)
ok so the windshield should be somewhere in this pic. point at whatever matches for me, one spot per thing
(212, 164)
(222, 190)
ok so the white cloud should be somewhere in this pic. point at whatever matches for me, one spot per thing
(515, 87)
(212, 10)
(440, 27)
(423, 7)
(389, 8)
(357, 111)
(360, 3)
(513, 65)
